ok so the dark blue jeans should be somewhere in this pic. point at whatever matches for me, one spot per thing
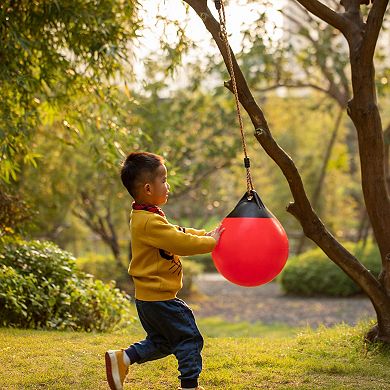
(171, 329)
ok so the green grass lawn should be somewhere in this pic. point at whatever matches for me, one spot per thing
(279, 358)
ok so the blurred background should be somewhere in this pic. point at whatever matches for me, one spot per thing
(82, 86)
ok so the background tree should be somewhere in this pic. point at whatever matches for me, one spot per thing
(361, 35)
(311, 55)
(281, 57)
(78, 199)
(48, 52)
(88, 186)
(59, 76)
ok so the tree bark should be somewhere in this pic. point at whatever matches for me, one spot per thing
(301, 207)
(364, 112)
(387, 155)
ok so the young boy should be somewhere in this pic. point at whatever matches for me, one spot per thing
(157, 273)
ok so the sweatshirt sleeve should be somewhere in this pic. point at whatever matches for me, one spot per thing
(196, 232)
(159, 233)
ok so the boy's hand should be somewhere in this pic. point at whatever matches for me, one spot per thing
(216, 233)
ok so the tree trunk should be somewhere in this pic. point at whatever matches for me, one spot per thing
(386, 135)
(364, 113)
(91, 214)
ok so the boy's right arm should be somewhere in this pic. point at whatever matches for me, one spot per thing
(196, 232)
(163, 235)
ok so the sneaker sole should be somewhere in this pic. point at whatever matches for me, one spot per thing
(109, 366)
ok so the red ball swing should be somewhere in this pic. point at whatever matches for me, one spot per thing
(253, 248)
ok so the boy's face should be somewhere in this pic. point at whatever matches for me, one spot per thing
(159, 187)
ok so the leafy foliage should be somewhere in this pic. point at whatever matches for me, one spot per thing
(105, 268)
(191, 270)
(88, 185)
(40, 287)
(311, 273)
(80, 125)
(13, 214)
(48, 52)
(178, 127)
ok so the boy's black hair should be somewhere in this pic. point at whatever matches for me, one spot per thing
(138, 167)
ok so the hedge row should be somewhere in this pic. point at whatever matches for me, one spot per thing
(312, 273)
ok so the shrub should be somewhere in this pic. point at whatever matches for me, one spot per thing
(40, 287)
(191, 270)
(313, 273)
(14, 214)
(105, 268)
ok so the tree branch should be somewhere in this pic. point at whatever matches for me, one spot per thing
(334, 90)
(301, 207)
(198, 180)
(212, 25)
(297, 85)
(373, 27)
(297, 21)
(326, 14)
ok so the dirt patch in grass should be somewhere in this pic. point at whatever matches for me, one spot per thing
(217, 297)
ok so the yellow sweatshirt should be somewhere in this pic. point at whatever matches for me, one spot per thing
(156, 246)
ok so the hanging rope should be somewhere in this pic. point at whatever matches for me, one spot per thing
(219, 5)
